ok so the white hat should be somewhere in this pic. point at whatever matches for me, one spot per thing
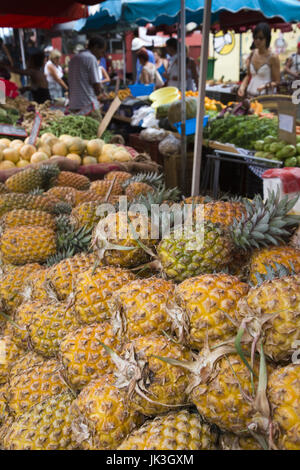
(137, 44)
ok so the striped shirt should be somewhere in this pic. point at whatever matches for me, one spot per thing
(83, 73)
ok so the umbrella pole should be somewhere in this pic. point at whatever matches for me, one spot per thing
(182, 50)
(124, 59)
(22, 52)
(201, 95)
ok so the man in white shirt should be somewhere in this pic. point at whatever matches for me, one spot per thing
(292, 66)
(84, 78)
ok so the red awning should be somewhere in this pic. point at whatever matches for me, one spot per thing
(38, 14)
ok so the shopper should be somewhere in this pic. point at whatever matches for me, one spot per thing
(137, 45)
(5, 57)
(104, 77)
(173, 74)
(149, 74)
(292, 65)
(161, 64)
(263, 67)
(54, 74)
(38, 82)
(84, 78)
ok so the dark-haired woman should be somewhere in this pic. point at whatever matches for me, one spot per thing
(263, 67)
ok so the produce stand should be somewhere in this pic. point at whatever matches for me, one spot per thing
(222, 93)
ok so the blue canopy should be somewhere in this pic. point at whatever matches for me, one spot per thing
(102, 15)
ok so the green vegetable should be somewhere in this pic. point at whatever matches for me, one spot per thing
(162, 111)
(288, 151)
(259, 145)
(292, 161)
(84, 127)
(298, 139)
(174, 113)
(267, 147)
(298, 148)
(298, 160)
(259, 154)
(269, 139)
(276, 146)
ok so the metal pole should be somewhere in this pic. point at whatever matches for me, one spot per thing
(201, 96)
(124, 59)
(22, 48)
(182, 50)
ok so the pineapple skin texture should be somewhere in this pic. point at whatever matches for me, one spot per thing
(101, 187)
(46, 426)
(179, 263)
(284, 397)
(24, 181)
(168, 383)
(102, 415)
(27, 244)
(223, 212)
(229, 441)
(143, 303)
(72, 180)
(63, 274)
(48, 326)
(94, 290)
(18, 217)
(85, 214)
(12, 201)
(84, 358)
(220, 400)
(120, 176)
(280, 297)
(181, 430)
(275, 254)
(3, 404)
(12, 353)
(136, 189)
(35, 385)
(207, 299)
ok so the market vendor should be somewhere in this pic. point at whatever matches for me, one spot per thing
(136, 46)
(84, 79)
(173, 69)
(292, 65)
(263, 67)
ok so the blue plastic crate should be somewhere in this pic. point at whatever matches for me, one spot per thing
(190, 125)
(141, 90)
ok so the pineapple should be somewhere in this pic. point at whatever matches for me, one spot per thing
(34, 385)
(13, 282)
(134, 190)
(104, 187)
(29, 179)
(89, 196)
(210, 303)
(3, 404)
(27, 244)
(83, 356)
(210, 247)
(94, 288)
(85, 214)
(140, 307)
(284, 255)
(9, 353)
(229, 441)
(26, 361)
(154, 387)
(117, 241)
(23, 217)
(284, 397)
(44, 203)
(49, 324)
(118, 176)
(62, 275)
(3, 189)
(271, 311)
(70, 179)
(224, 212)
(196, 200)
(37, 286)
(45, 426)
(103, 416)
(177, 430)
(63, 193)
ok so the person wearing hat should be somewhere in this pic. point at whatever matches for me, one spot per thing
(292, 65)
(136, 46)
(54, 74)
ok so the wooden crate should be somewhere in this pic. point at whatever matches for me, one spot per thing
(172, 170)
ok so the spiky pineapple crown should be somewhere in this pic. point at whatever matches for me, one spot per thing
(279, 271)
(48, 171)
(266, 223)
(151, 178)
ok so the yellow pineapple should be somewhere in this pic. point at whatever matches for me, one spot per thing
(27, 244)
(104, 187)
(45, 426)
(177, 430)
(284, 255)
(63, 274)
(118, 176)
(12, 201)
(141, 306)
(85, 214)
(284, 397)
(3, 404)
(29, 179)
(48, 325)
(271, 311)
(103, 416)
(94, 289)
(28, 360)
(9, 353)
(13, 283)
(23, 217)
(117, 237)
(35, 385)
(136, 189)
(63, 193)
(88, 196)
(230, 441)
(210, 303)
(84, 357)
(224, 212)
(70, 179)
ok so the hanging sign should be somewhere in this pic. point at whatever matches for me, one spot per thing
(35, 129)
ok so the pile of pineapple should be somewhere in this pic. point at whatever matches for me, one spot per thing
(18, 153)
(134, 342)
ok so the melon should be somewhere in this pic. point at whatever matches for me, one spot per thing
(94, 147)
(26, 151)
(11, 154)
(38, 157)
(174, 113)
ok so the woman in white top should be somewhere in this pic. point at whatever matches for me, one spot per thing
(263, 67)
(148, 73)
(54, 74)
